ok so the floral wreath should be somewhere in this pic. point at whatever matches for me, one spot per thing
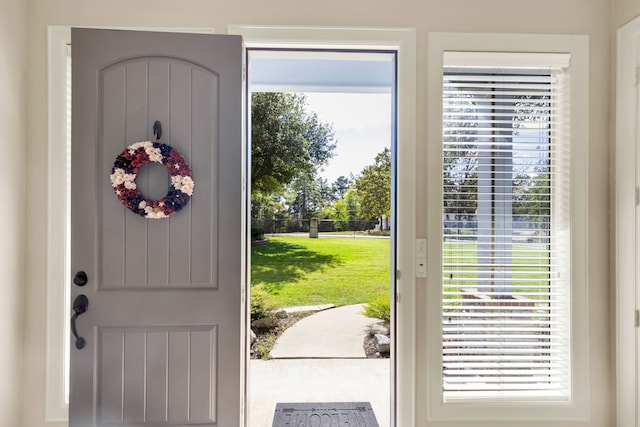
(125, 170)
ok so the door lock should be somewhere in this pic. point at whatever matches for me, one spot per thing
(80, 279)
(80, 305)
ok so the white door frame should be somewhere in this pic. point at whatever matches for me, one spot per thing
(627, 230)
(402, 41)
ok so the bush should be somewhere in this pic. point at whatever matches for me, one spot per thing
(262, 303)
(257, 234)
(379, 308)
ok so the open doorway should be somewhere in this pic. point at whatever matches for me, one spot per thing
(309, 369)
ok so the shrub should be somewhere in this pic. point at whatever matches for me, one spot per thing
(257, 234)
(262, 303)
(379, 308)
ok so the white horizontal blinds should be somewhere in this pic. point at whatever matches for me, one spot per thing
(505, 243)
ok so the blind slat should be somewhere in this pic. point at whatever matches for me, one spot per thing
(505, 188)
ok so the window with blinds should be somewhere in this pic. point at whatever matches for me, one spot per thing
(505, 231)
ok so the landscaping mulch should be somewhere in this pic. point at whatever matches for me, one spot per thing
(371, 350)
(266, 337)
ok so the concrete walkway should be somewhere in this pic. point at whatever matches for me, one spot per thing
(320, 358)
(336, 333)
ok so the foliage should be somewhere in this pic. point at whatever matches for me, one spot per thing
(312, 197)
(299, 271)
(263, 349)
(460, 158)
(341, 185)
(345, 210)
(533, 197)
(374, 187)
(267, 205)
(530, 183)
(257, 233)
(286, 141)
(267, 337)
(380, 308)
(309, 196)
(262, 302)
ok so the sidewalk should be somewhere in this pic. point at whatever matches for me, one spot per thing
(336, 333)
(320, 358)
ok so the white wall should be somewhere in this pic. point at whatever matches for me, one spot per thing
(590, 17)
(13, 139)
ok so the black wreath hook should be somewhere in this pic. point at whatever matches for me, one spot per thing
(157, 130)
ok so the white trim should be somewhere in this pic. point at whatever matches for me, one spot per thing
(403, 41)
(627, 295)
(506, 59)
(307, 71)
(59, 39)
(578, 47)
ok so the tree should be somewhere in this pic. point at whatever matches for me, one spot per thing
(374, 187)
(267, 205)
(310, 195)
(286, 141)
(341, 185)
(533, 197)
(345, 211)
(459, 157)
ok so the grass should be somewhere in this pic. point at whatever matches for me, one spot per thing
(299, 271)
(302, 271)
(529, 270)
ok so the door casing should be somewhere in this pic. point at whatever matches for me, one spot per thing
(627, 219)
(403, 41)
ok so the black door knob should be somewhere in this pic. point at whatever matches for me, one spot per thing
(80, 278)
(80, 305)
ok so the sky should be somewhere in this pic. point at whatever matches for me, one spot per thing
(362, 125)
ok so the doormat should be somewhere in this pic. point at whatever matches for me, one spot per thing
(329, 414)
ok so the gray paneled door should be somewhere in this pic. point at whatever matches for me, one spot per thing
(163, 326)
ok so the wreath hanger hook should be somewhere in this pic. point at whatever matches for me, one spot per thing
(157, 130)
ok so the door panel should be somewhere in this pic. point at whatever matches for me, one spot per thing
(179, 251)
(174, 363)
(163, 327)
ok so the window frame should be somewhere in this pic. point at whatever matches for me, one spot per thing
(511, 45)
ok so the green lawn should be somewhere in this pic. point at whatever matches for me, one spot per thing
(303, 271)
(529, 271)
